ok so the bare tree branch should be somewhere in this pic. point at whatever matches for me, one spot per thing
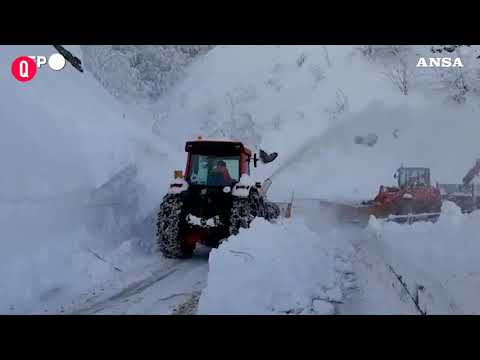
(400, 76)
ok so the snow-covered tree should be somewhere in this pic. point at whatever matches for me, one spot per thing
(341, 105)
(400, 74)
(457, 82)
(397, 61)
(383, 53)
(454, 83)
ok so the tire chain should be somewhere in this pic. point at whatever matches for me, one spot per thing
(169, 223)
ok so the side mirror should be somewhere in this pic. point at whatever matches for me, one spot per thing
(267, 158)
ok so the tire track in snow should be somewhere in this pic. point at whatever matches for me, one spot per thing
(131, 290)
(155, 294)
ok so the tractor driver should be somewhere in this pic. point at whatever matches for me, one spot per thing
(411, 181)
(220, 175)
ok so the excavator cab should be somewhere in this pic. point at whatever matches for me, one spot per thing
(408, 177)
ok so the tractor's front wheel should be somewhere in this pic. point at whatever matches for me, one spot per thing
(171, 225)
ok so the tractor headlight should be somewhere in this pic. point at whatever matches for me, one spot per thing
(227, 189)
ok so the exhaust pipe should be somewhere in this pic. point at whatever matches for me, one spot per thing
(265, 186)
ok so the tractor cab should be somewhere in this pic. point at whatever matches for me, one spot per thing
(409, 177)
(217, 163)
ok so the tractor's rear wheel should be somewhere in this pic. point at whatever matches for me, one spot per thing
(272, 211)
(171, 225)
(243, 212)
(263, 208)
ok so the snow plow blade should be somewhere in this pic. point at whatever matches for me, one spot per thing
(411, 218)
(346, 213)
(360, 214)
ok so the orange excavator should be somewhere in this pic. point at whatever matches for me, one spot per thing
(414, 197)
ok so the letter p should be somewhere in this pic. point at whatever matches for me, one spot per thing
(41, 60)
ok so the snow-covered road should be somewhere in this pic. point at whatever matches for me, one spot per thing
(376, 290)
(162, 288)
(166, 286)
(290, 268)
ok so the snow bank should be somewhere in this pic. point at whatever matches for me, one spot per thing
(441, 257)
(61, 135)
(274, 269)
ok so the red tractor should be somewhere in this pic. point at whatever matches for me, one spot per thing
(213, 199)
(414, 195)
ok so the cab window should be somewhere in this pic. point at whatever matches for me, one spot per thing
(210, 170)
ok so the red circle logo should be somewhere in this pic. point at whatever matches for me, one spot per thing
(24, 69)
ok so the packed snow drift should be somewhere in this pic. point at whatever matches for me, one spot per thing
(280, 268)
(62, 135)
(438, 261)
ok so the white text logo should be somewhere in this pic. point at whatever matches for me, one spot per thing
(439, 62)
